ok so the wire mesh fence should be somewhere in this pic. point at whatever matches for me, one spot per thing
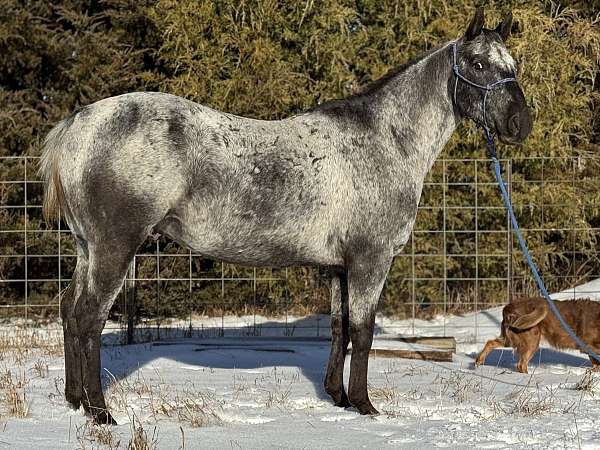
(460, 259)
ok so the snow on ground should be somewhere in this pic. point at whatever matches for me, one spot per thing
(269, 395)
(589, 290)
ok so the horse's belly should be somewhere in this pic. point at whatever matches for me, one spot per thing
(238, 239)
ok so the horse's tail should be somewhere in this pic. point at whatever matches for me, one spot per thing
(54, 196)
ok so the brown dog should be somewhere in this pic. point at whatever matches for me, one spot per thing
(526, 320)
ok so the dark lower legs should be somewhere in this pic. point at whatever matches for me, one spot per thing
(354, 297)
(366, 277)
(84, 310)
(73, 380)
(334, 379)
(362, 339)
(93, 397)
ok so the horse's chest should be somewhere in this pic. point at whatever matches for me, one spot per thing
(403, 213)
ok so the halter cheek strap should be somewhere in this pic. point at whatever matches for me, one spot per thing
(487, 88)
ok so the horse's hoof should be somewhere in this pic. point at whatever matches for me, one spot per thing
(74, 403)
(104, 418)
(343, 402)
(340, 398)
(369, 411)
(366, 408)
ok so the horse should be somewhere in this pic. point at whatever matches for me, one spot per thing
(335, 187)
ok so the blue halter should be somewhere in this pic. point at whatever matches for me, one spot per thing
(487, 88)
(491, 146)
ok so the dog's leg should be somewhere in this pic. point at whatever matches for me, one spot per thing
(527, 347)
(489, 346)
(524, 361)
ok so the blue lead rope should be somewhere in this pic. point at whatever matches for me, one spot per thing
(492, 152)
(491, 145)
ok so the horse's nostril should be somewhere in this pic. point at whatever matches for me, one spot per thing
(514, 125)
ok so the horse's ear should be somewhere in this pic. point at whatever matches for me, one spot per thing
(476, 24)
(503, 28)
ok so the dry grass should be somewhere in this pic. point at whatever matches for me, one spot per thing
(25, 351)
(459, 386)
(276, 388)
(531, 401)
(90, 435)
(198, 411)
(386, 394)
(589, 382)
(189, 406)
(140, 439)
(40, 368)
(14, 396)
(20, 343)
(530, 404)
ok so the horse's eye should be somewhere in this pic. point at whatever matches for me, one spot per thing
(478, 66)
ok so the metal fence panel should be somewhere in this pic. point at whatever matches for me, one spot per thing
(467, 263)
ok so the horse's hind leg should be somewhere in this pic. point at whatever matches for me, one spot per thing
(334, 380)
(108, 262)
(73, 385)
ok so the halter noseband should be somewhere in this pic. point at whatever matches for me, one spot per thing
(487, 88)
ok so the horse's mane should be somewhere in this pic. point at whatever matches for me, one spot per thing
(376, 85)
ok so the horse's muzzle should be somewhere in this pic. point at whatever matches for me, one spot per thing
(518, 126)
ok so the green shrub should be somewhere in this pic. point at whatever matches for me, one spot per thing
(268, 59)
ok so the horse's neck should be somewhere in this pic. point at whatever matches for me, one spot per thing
(416, 111)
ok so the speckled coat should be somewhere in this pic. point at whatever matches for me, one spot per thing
(337, 187)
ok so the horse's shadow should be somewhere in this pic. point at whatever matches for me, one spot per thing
(197, 353)
(507, 359)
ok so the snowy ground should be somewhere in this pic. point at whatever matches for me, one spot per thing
(185, 395)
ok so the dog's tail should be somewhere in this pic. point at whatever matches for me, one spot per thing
(531, 319)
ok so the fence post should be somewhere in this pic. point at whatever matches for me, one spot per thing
(130, 300)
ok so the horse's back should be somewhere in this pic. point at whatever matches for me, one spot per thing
(220, 183)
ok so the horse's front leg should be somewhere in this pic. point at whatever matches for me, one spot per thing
(366, 276)
(334, 380)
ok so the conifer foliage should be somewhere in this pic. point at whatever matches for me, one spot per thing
(269, 59)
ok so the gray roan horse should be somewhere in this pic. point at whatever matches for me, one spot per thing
(335, 187)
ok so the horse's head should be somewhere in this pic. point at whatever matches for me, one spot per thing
(483, 85)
